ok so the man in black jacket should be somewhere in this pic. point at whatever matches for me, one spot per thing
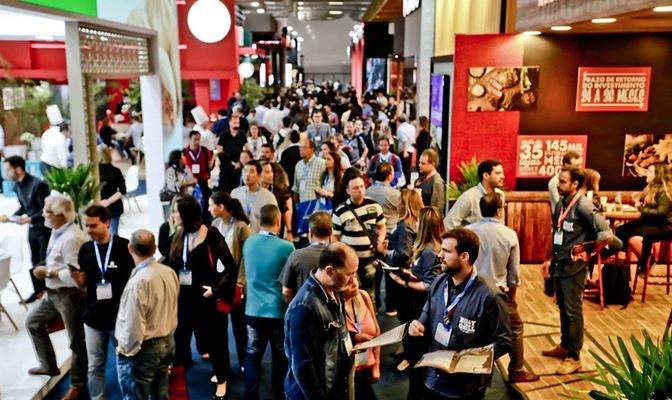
(291, 155)
(31, 193)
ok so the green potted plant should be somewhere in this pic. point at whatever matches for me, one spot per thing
(468, 179)
(644, 375)
(77, 182)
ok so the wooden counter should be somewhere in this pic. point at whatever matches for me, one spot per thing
(529, 214)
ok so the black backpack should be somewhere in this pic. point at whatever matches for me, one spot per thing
(616, 283)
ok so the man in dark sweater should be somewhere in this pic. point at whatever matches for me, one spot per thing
(461, 312)
(106, 265)
(291, 155)
(31, 193)
(430, 182)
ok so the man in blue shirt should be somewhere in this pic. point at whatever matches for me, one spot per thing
(461, 312)
(265, 254)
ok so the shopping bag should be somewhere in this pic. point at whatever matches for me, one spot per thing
(306, 208)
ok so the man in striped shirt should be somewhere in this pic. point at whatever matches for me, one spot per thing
(366, 240)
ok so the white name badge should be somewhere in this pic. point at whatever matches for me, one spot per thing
(568, 226)
(348, 344)
(104, 291)
(220, 266)
(112, 265)
(317, 138)
(442, 335)
(185, 277)
(195, 168)
(557, 238)
(361, 358)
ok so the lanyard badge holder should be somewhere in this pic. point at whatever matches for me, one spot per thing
(185, 274)
(103, 288)
(562, 225)
(444, 328)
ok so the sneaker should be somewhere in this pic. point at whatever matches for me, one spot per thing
(557, 352)
(44, 371)
(569, 366)
(522, 377)
(392, 313)
(403, 365)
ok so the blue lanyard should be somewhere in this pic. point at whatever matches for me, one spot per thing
(54, 237)
(101, 266)
(447, 315)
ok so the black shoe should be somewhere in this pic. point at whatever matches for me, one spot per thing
(33, 298)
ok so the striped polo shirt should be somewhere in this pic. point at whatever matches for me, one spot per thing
(351, 232)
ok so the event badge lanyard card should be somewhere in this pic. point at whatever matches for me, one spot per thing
(185, 274)
(103, 288)
(562, 225)
(196, 167)
(444, 328)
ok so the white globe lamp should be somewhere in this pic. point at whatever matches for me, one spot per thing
(245, 70)
(209, 20)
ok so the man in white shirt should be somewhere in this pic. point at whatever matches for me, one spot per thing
(146, 322)
(273, 118)
(54, 151)
(406, 136)
(63, 298)
(570, 159)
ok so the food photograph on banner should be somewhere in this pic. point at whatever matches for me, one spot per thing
(540, 156)
(613, 89)
(644, 150)
(502, 89)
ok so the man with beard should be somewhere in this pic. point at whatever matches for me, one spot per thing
(461, 312)
(317, 342)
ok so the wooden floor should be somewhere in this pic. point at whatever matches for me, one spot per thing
(542, 331)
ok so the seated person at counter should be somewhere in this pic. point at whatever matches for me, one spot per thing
(655, 204)
(591, 187)
(466, 209)
(570, 159)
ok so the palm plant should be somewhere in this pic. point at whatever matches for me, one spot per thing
(469, 179)
(77, 182)
(646, 375)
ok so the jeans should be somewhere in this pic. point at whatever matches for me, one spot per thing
(69, 304)
(517, 350)
(38, 239)
(146, 373)
(569, 295)
(97, 342)
(261, 331)
(239, 327)
(114, 225)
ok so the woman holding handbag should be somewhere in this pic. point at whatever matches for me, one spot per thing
(233, 224)
(208, 274)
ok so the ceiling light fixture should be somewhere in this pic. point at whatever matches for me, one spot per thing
(603, 20)
(290, 28)
(662, 9)
(260, 11)
(300, 3)
(335, 3)
(561, 28)
(335, 12)
(255, 4)
(209, 20)
(532, 33)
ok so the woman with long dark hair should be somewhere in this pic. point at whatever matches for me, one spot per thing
(208, 273)
(331, 177)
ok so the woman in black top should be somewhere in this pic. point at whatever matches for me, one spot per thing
(207, 272)
(113, 190)
(423, 140)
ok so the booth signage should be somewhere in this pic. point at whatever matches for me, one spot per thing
(540, 156)
(613, 89)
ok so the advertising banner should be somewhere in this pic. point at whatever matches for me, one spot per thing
(502, 89)
(540, 156)
(436, 101)
(613, 89)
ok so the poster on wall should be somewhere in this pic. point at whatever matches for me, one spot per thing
(540, 156)
(436, 100)
(502, 89)
(376, 74)
(613, 89)
(641, 150)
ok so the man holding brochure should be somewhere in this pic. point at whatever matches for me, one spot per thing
(461, 313)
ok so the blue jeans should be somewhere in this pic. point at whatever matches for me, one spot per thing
(114, 225)
(146, 373)
(261, 331)
(97, 342)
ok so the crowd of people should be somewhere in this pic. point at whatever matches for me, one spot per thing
(298, 222)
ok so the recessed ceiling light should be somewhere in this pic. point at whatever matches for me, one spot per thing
(335, 12)
(290, 28)
(561, 28)
(335, 3)
(532, 33)
(603, 20)
(662, 9)
(260, 11)
(255, 4)
(300, 3)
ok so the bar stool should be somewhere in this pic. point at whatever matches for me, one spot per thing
(660, 253)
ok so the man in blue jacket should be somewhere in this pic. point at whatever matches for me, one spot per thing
(461, 312)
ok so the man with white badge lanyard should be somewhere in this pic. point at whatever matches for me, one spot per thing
(575, 220)
(200, 161)
(461, 312)
(106, 265)
(252, 195)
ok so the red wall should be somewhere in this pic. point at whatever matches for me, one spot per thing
(484, 134)
(204, 61)
(357, 66)
(47, 62)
